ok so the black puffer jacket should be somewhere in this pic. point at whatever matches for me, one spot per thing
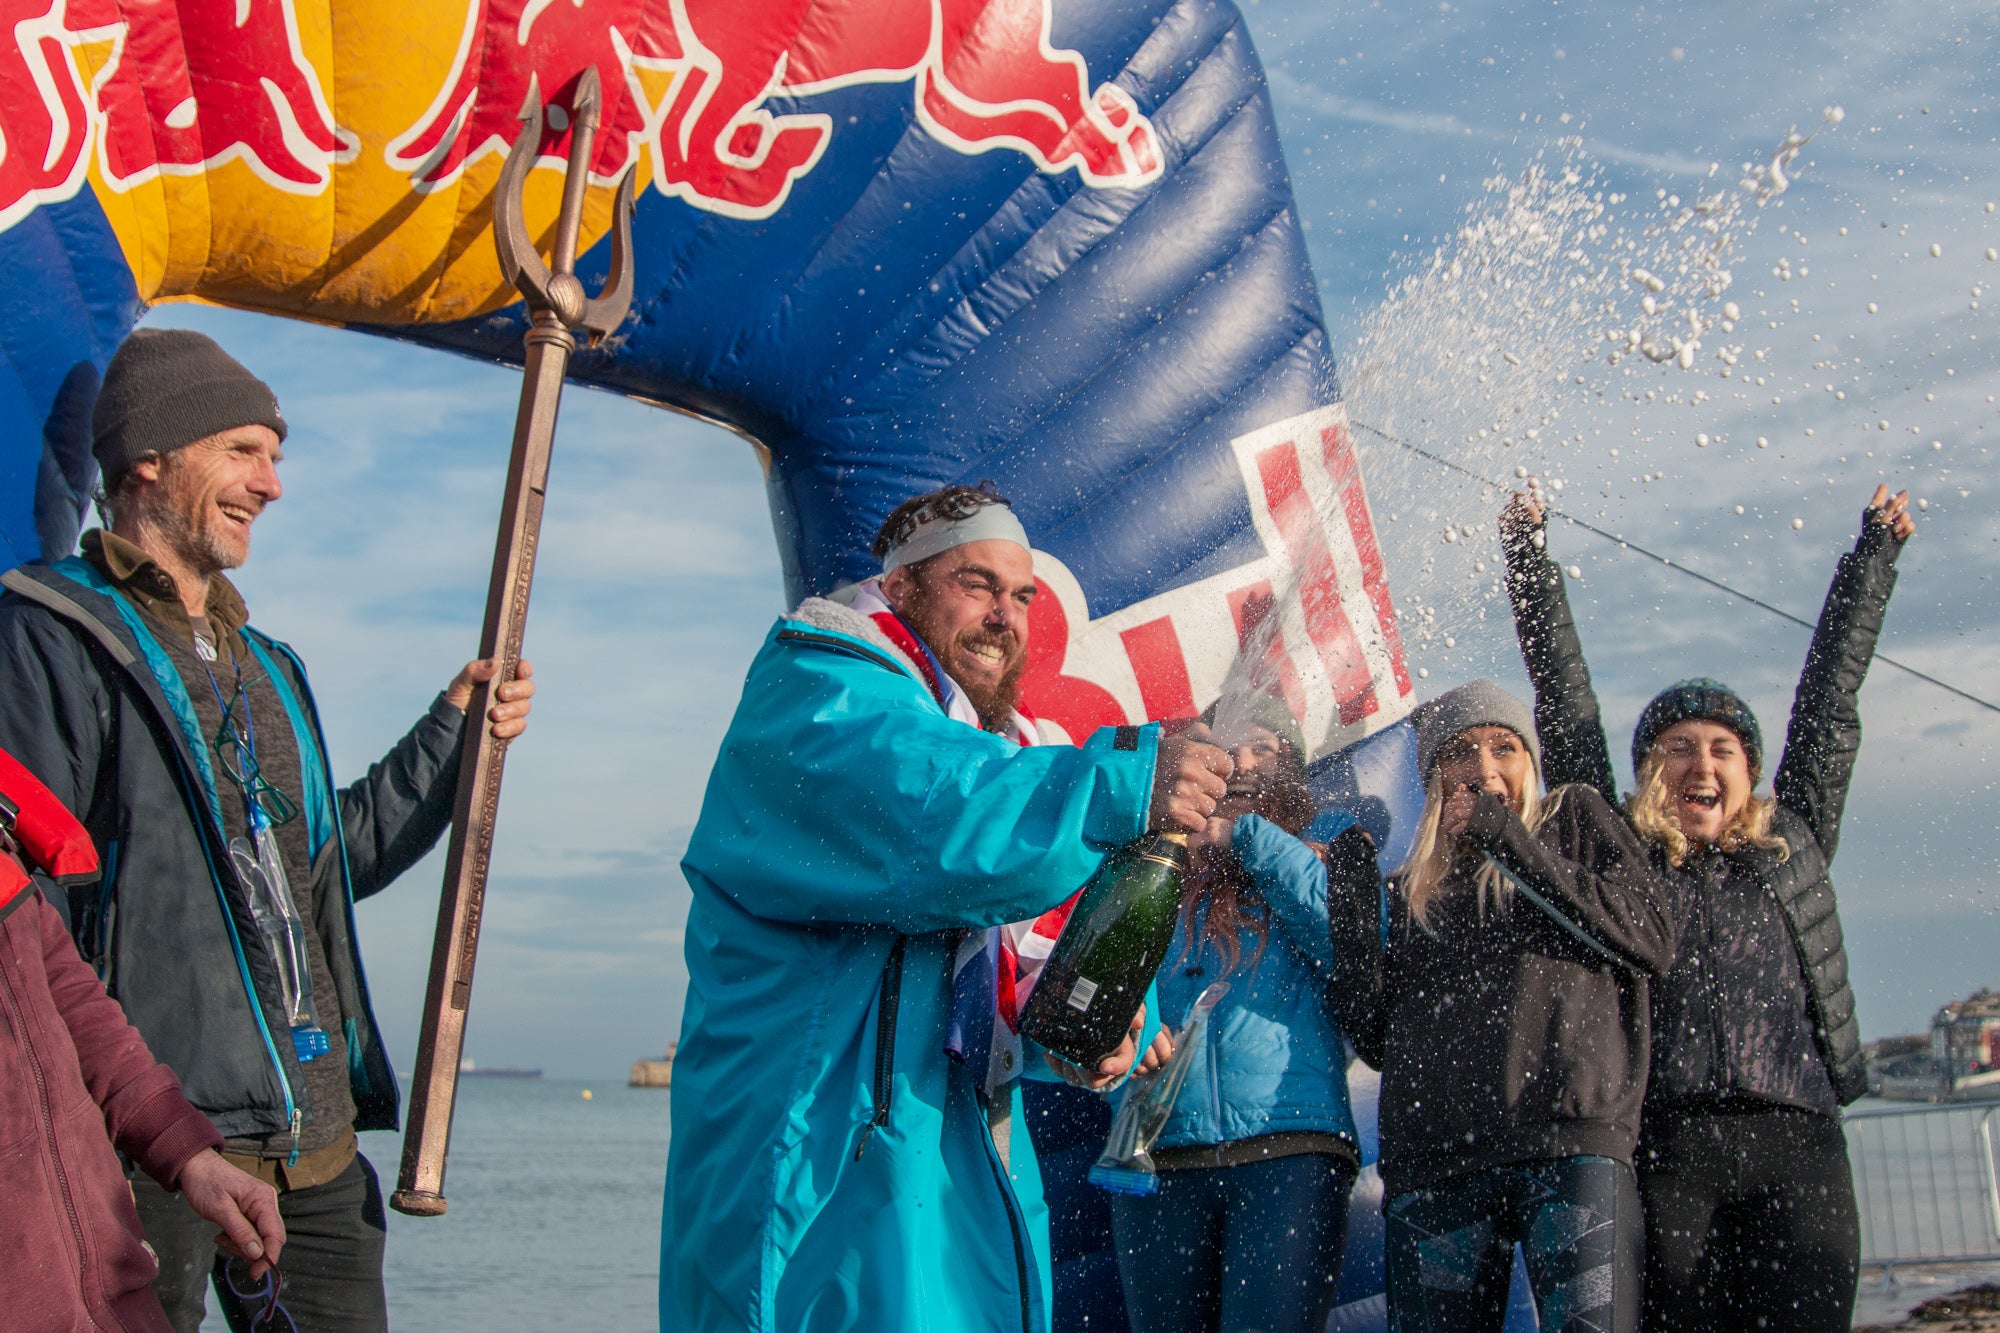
(1701, 1054)
(83, 708)
(1516, 1033)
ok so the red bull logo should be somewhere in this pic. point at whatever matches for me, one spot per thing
(707, 92)
(699, 77)
(334, 158)
(226, 80)
(45, 121)
(1311, 622)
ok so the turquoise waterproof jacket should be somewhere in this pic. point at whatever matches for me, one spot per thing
(1275, 1060)
(831, 1167)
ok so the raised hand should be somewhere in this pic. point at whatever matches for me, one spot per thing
(1190, 778)
(1894, 511)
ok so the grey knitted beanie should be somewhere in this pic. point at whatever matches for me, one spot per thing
(1480, 703)
(167, 388)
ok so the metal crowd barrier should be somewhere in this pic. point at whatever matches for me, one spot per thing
(1927, 1184)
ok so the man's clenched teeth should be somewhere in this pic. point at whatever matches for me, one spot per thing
(237, 513)
(987, 652)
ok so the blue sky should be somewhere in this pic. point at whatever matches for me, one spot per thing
(658, 575)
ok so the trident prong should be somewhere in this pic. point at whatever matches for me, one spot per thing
(553, 286)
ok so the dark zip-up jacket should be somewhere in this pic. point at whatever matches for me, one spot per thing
(1705, 1052)
(91, 709)
(1523, 1036)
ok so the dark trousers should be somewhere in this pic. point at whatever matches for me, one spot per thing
(1235, 1248)
(1750, 1222)
(1450, 1248)
(332, 1260)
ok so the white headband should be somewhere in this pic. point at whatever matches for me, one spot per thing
(934, 536)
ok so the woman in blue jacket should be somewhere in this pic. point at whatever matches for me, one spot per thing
(1260, 1154)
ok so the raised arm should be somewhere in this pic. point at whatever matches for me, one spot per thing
(1566, 712)
(1354, 920)
(1824, 735)
(843, 794)
(1586, 862)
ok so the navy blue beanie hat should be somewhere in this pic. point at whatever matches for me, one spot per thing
(1700, 700)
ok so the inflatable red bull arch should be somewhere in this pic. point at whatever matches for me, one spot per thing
(892, 243)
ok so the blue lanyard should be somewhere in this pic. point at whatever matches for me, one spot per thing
(246, 737)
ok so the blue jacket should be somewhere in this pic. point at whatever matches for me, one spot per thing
(831, 1166)
(1275, 1061)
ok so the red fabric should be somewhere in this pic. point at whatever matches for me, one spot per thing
(1008, 985)
(45, 828)
(75, 1079)
(905, 638)
(14, 882)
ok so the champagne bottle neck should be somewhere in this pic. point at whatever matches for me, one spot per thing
(1167, 849)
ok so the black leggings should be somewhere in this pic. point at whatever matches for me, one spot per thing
(1750, 1222)
(1451, 1248)
(1231, 1248)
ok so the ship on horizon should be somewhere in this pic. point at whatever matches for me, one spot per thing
(467, 1069)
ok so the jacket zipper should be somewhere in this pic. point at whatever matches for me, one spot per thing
(139, 667)
(1016, 1228)
(107, 918)
(48, 1120)
(886, 1006)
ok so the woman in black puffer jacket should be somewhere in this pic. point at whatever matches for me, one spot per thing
(1750, 1214)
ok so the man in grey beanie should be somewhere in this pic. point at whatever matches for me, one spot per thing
(190, 746)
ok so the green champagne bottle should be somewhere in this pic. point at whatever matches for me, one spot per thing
(1109, 949)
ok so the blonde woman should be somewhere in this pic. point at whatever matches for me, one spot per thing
(1505, 1004)
(1750, 1213)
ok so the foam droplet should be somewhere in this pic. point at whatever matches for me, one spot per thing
(1763, 443)
(1423, 673)
(1739, 509)
(1874, 309)
(1924, 505)
(1575, 571)
(1701, 440)
(1798, 524)
(1937, 251)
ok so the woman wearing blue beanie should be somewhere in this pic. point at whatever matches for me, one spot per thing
(1750, 1213)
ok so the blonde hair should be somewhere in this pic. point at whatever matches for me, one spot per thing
(1650, 810)
(1432, 857)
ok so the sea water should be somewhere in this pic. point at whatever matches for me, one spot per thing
(555, 1209)
(554, 1219)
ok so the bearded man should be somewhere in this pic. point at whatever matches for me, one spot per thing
(879, 806)
(189, 745)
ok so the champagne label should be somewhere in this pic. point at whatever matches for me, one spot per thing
(1081, 994)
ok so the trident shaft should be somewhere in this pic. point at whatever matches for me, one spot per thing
(556, 306)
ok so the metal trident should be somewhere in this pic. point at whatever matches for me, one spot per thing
(556, 305)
